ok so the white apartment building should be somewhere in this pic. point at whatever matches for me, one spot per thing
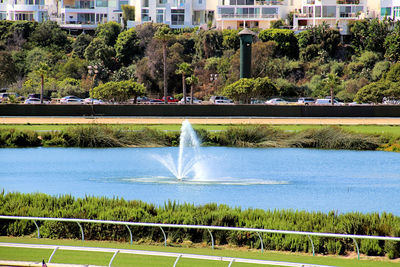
(336, 13)
(175, 13)
(86, 14)
(36, 10)
(234, 14)
(390, 9)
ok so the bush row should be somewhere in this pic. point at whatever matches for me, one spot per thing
(66, 206)
(249, 136)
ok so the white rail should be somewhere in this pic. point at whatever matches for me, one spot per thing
(205, 227)
(178, 256)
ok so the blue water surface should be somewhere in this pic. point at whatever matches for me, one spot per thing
(284, 178)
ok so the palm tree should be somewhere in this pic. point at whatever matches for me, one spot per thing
(192, 81)
(332, 81)
(184, 69)
(42, 71)
(164, 34)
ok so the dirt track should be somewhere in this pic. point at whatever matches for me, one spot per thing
(197, 120)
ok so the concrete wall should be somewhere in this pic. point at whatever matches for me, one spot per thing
(199, 110)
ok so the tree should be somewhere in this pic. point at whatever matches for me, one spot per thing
(369, 34)
(286, 41)
(184, 69)
(209, 44)
(7, 69)
(128, 13)
(49, 34)
(80, 44)
(99, 50)
(42, 70)
(332, 81)
(246, 88)
(109, 32)
(127, 46)
(231, 39)
(392, 44)
(192, 81)
(372, 93)
(119, 91)
(73, 68)
(322, 36)
(164, 35)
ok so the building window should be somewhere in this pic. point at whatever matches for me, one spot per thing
(145, 3)
(160, 16)
(178, 16)
(329, 11)
(145, 15)
(101, 3)
(3, 15)
(200, 2)
(386, 11)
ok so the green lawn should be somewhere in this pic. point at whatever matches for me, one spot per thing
(138, 260)
(388, 130)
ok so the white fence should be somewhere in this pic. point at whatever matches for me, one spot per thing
(205, 227)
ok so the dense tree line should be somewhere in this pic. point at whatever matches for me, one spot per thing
(295, 64)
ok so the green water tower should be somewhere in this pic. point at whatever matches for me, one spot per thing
(246, 39)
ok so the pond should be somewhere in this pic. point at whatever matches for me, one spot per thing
(284, 178)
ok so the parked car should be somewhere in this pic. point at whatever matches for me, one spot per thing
(170, 99)
(93, 101)
(188, 98)
(306, 100)
(70, 99)
(38, 96)
(36, 101)
(5, 96)
(276, 101)
(325, 101)
(156, 101)
(220, 100)
(140, 100)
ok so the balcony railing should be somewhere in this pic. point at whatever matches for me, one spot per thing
(82, 5)
(348, 2)
(248, 16)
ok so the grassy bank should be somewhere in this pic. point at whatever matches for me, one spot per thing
(331, 137)
(42, 205)
(128, 260)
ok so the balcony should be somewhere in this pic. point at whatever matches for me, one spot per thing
(247, 16)
(348, 2)
(268, 3)
(81, 5)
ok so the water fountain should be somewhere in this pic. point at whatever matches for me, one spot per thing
(189, 160)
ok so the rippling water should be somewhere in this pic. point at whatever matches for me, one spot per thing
(299, 179)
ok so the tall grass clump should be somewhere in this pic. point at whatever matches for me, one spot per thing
(333, 138)
(250, 136)
(118, 209)
(16, 138)
(92, 136)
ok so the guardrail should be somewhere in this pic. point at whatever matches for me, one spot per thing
(205, 227)
(178, 256)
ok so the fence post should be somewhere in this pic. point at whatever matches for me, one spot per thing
(212, 238)
(130, 233)
(358, 250)
(262, 243)
(38, 230)
(165, 237)
(312, 244)
(177, 259)
(80, 226)
(52, 254)
(113, 257)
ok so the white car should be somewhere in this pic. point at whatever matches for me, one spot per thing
(220, 100)
(276, 101)
(93, 101)
(35, 101)
(188, 98)
(327, 101)
(71, 100)
(306, 100)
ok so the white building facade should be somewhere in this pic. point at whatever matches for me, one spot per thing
(390, 9)
(336, 13)
(175, 13)
(31, 10)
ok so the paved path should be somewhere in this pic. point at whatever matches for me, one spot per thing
(154, 253)
(198, 120)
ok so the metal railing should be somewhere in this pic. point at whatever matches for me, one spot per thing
(205, 227)
(178, 256)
